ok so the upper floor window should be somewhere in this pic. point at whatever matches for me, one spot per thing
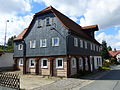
(59, 62)
(55, 41)
(85, 44)
(91, 45)
(32, 44)
(81, 43)
(76, 42)
(48, 21)
(43, 43)
(39, 23)
(44, 62)
(31, 63)
(20, 47)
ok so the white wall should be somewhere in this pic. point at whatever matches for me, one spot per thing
(6, 60)
(118, 57)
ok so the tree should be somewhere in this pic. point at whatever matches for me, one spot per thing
(10, 42)
(109, 48)
(104, 51)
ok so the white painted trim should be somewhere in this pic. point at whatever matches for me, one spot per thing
(57, 63)
(42, 63)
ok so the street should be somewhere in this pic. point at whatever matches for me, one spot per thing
(110, 81)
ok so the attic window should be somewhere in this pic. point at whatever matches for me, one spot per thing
(47, 21)
(39, 23)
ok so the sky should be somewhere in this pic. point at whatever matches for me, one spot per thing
(104, 13)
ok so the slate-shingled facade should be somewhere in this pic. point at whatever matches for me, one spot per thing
(55, 45)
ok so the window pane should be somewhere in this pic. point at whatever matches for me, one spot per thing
(44, 62)
(47, 21)
(32, 63)
(59, 63)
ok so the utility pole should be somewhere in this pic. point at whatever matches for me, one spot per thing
(5, 34)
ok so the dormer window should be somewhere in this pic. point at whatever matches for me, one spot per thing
(47, 21)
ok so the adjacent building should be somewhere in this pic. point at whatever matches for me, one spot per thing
(115, 54)
(6, 60)
(55, 45)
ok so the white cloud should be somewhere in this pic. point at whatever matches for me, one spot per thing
(105, 13)
(10, 10)
(112, 40)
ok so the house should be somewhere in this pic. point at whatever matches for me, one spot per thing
(55, 45)
(6, 60)
(115, 54)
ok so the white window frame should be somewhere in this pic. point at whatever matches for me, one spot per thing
(75, 42)
(30, 63)
(80, 61)
(20, 47)
(57, 63)
(39, 22)
(86, 44)
(73, 60)
(42, 63)
(81, 43)
(32, 43)
(21, 60)
(53, 43)
(41, 43)
(86, 61)
(46, 20)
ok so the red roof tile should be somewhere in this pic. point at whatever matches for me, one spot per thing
(90, 27)
(114, 53)
(20, 36)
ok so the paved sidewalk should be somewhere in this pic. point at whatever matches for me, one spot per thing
(72, 83)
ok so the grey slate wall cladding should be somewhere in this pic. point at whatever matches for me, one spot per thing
(44, 32)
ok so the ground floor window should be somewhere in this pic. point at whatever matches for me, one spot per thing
(21, 61)
(31, 63)
(86, 61)
(80, 61)
(59, 62)
(44, 63)
(73, 62)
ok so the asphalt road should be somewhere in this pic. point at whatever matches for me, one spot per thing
(110, 81)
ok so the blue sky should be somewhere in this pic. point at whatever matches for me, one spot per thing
(105, 13)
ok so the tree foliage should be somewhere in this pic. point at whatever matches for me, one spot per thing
(109, 48)
(104, 51)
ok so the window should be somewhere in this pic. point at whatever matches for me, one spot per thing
(20, 61)
(86, 61)
(32, 44)
(44, 62)
(59, 63)
(39, 23)
(55, 41)
(31, 63)
(80, 61)
(20, 47)
(85, 44)
(73, 62)
(76, 42)
(47, 21)
(43, 43)
(81, 43)
(91, 46)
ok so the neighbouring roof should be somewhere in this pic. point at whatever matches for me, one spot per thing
(20, 36)
(68, 23)
(114, 53)
(93, 27)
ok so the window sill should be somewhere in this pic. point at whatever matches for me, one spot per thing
(32, 67)
(39, 26)
(59, 67)
(48, 25)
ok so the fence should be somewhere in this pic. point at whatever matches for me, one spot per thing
(9, 80)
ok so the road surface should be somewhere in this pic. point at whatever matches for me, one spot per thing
(110, 81)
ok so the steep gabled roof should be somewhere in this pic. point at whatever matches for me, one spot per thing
(68, 24)
(20, 36)
(114, 53)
